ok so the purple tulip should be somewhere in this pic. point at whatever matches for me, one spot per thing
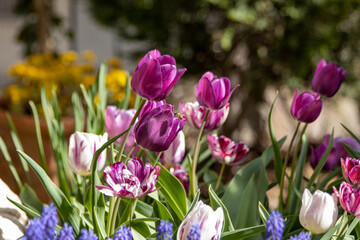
(306, 107)
(116, 122)
(195, 115)
(155, 76)
(351, 170)
(349, 198)
(328, 78)
(133, 181)
(181, 175)
(210, 221)
(175, 153)
(157, 129)
(213, 92)
(226, 151)
(82, 147)
(337, 152)
(149, 106)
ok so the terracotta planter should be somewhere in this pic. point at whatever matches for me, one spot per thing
(25, 127)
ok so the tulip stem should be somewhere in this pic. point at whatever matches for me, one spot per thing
(220, 176)
(113, 209)
(344, 227)
(128, 154)
(297, 148)
(141, 151)
(122, 146)
(196, 155)
(280, 206)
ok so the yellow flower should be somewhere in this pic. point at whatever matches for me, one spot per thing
(114, 62)
(68, 57)
(14, 93)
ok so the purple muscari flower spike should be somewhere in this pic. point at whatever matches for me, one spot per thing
(87, 235)
(134, 181)
(155, 76)
(327, 78)
(301, 236)
(49, 219)
(306, 107)
(164, 230)
(157, 129)
(195, 115)
(66, 233)
(124, 233)
(274, 226)
(35, 230)
(195, 232)
(213, 92)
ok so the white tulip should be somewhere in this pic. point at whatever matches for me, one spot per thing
(210, 222)
(82, 147)
(318, 212)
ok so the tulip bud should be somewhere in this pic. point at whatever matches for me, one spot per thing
(175, 153)
(351, 170)
(318, 212)
(337, 152)
(213, 92)
(157, 129)
(226, 151)
(328, 78)
(133, 181)
(82, 147)
(210, 221)
(155, 76)
(306, 107)
(195, 115)
(149, 106)
(349, 198)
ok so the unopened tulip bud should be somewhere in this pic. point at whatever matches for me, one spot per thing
(306, 107)
(82, 147)
(327, 78)
(318, 212)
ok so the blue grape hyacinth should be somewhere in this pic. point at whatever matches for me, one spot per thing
(301, 236)
(195, 232)
(164, 230)
(274, 226)
(124, 233)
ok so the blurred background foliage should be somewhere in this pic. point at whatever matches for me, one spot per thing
(254, 42)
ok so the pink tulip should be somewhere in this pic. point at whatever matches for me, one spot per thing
(306, 107)
(349, 198)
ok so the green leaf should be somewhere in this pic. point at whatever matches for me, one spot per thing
(264, 214)
(331, 232)
(100, 223)
(247, 203)
(215, 202)
(66, 211)
(29, 198)
(10, 163)
(278, 162)
(351, 133)
(125, 102)
(243, 233)
(161, 211)
(141, 228)
(173, 192)
(352, 151)
(38, 136)
(32, 213)
(79, 113)
(321, 163)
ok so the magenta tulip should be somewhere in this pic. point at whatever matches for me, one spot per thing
(351, 170)
(149, 106)
(116, 122)
(133, 181)
(175, 153)
(328, 78)
(155, 76)
(306, 107)
(157, 129)
(213, 92)
(337, 152)
(226, 151)
(195, 115)
(349, 198)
